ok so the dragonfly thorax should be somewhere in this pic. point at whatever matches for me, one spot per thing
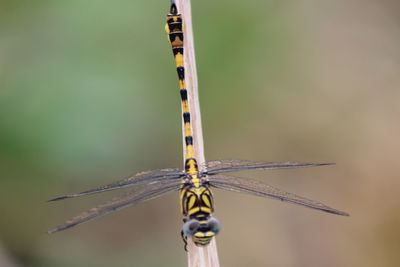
(196, 199)
(191, 167)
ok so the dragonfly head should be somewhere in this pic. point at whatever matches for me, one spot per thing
(201, 232)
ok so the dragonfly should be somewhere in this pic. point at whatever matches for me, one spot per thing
(194, 182)
(196, 199)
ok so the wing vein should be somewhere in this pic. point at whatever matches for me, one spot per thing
(141, 178)
(233, 165)
(256, 188)
(130, 198)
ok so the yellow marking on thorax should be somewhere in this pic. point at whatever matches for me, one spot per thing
(192, 201)
(191, 165)
(183, 193)
(196, 183)
(193, 211)
(196, 199)
(206, 200)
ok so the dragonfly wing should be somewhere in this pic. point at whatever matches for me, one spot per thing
(145, 177)
(130, 198)
(254, 187)
(233, 165)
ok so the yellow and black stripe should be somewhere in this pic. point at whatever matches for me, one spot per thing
(196, 202)
(174, 28)
(195, 195)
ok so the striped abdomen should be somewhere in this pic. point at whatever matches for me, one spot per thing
(174, 29)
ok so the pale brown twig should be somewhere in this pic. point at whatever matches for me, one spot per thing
(197, 256)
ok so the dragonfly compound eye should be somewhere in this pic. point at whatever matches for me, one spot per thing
(214, 225)
(190, 227)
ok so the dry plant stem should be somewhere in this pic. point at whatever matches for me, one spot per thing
(197, 256)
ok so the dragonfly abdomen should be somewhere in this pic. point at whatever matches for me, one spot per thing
(174, 29)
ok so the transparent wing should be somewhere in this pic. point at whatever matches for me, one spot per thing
(233, 165)
(130, 198)
(145, 177)
(254, 187)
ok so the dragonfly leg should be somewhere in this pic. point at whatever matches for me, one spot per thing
(184, 239)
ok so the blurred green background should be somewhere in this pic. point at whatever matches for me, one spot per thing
(88, 94)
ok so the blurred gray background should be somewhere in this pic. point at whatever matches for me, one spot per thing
(88, 94)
